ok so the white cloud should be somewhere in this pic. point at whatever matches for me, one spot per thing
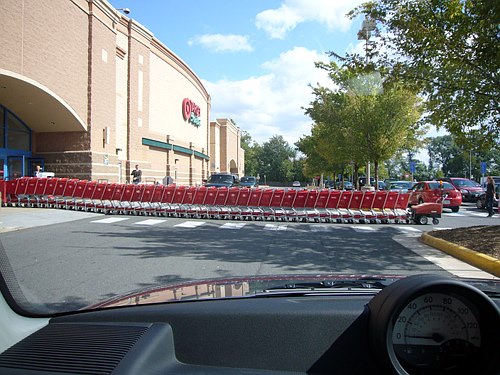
(271, 104)
(332, 13)
(358, 48)
(222, 43)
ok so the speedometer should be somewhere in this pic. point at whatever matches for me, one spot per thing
(429, 324)
(436, 330)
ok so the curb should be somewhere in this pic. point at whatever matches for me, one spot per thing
(479, 260)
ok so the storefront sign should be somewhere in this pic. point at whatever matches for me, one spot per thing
(191, 112)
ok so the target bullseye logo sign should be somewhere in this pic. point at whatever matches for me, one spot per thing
(191, 112)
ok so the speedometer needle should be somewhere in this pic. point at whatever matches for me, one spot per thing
(435, 336)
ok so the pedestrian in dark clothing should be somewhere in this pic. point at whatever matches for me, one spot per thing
(136, 175)
(490, 194)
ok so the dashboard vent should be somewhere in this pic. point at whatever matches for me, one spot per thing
(73, 348)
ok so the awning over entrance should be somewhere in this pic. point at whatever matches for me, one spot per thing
(37, 106)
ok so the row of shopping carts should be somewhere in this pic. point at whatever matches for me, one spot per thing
(209, 202)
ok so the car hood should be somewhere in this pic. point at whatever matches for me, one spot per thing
(218, 184)
(471, 188)
(237, 287)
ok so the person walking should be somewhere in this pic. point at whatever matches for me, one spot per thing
(490, 194)
(136, 175)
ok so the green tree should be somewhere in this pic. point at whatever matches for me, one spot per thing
(445, 152)
(276, 159)
(455, 160)
(364, 119)
(315, 163)
(450, 51)
(297, 172)
(252, 150)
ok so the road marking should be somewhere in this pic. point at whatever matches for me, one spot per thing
(479, 214)
(110, 220)
(150, 222)
(320, 227)
(408, 229)
(190, 224)
(233, 225)
(275, 227)
(363, 228)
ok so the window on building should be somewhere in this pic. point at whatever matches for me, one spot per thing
(18, 134)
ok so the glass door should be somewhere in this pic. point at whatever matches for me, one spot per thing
(32, 165)
(15, 167)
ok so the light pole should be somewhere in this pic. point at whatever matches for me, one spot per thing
(364, 33)
(470, 164)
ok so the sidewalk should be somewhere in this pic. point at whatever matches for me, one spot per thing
(17, 218)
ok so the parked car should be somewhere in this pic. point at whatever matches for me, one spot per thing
(222, 180)
(399, 185)
(296, 184)
(470, 190)
(496, 180)
(481, 200)
(362, 181)
(433, 191)
(249, 182)
(346, 185)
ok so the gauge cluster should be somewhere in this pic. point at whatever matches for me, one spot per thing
(428, 324)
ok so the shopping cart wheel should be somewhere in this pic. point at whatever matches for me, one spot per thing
(435, 221)
(422, 220)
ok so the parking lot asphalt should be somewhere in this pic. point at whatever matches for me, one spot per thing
(16, 218)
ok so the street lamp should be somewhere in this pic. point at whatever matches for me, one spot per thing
(124, 10)
(367, 27)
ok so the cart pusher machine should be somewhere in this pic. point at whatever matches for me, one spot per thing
(234, 203)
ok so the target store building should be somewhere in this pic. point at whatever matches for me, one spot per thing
(88, 93)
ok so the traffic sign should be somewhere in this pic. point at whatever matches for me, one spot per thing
(413, 167)
(483, 167)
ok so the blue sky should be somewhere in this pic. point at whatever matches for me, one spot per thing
(255, 57)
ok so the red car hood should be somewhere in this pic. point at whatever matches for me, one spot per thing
(223, 288)
(238, 287)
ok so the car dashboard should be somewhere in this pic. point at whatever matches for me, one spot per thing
(417, 325)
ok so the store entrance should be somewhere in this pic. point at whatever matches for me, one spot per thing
(15, 167)
(15, 147)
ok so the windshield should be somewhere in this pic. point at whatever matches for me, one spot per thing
(444, 185)
(465, 183)
(400, 185)
(247, 179)
(224, 179)
(124, 133)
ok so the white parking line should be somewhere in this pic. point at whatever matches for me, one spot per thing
(363, 228)
(479, 214)
(320, 228)
(150, 222)
(110, 220)
(408, 229)
(275, 227)
(233, 225)
(190, 224)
